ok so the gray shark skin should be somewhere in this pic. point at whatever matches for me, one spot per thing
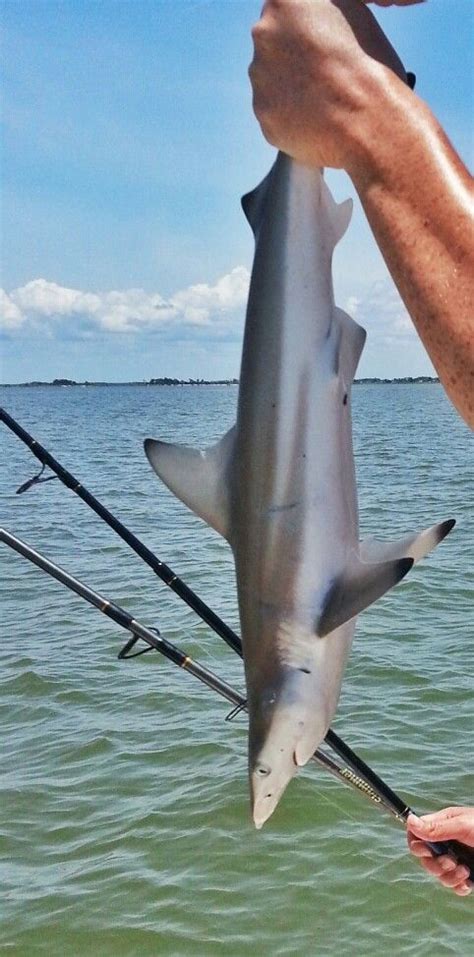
(280, 485)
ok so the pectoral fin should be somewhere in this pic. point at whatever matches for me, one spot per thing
(199, 479)
(415, 546)
(358, 588)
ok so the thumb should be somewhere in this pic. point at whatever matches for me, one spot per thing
(452, 823)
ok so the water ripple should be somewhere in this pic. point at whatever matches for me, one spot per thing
(125, 826)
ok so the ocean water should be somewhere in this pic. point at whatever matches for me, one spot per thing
(124, 817)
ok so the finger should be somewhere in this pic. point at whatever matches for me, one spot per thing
(418, 848)
(446, 814)
(449, 823)
(456, 872)
(433, 865)
(463, 889)
(445, 870)
(453, 878)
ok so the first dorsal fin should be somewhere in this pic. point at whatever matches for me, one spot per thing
(199, 479)
(357, 588)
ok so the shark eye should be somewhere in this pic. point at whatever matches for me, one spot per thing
(263, 771)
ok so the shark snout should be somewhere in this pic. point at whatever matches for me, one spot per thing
(267, 785)
(292, 735)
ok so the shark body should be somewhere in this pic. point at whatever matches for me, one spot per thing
(280, 485)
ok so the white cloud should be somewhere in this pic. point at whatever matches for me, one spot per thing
(199, 303)
(393, 347)
(44, 305)
(44, 298)
(202, 313)
(381, 311)
(11, 316)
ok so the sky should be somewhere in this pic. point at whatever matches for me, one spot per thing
(128, 140)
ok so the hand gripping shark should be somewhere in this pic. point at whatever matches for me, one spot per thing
(280, 485)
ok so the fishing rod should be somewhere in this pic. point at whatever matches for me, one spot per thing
(163, 571)
(154, 640)
(372, 784)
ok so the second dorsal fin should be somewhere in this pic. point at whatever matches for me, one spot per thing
(253, 203)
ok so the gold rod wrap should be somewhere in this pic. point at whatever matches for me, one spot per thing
(360, 784)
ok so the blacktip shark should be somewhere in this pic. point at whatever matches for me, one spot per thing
(280, 485)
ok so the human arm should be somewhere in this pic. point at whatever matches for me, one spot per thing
(452, 823)
(329, 90)
(418, 199)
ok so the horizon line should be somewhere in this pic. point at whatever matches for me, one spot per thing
(172, 381)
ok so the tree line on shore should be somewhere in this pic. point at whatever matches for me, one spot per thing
(166, 380)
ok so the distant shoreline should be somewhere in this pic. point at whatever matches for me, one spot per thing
(407, 380)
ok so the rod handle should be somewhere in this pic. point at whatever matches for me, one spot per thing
(461, 853)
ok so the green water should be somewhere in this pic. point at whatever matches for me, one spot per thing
(124, 819)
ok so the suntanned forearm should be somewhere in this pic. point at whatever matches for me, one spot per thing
(419, 201)
(330, 90)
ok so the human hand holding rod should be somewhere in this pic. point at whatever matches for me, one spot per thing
(452, 823)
